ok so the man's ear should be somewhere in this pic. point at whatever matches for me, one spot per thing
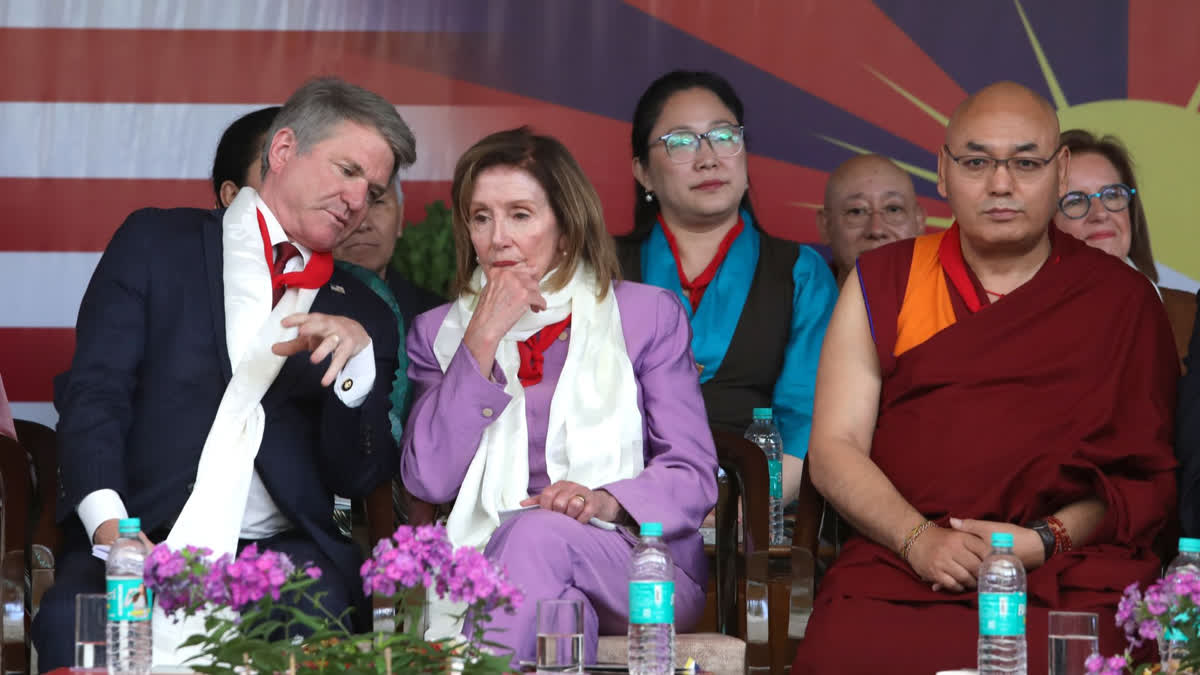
(823, 226)
(943, 167)
(283, 148)
(228, 191)
(919, 216)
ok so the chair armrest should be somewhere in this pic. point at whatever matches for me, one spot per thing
(747, 483)
(750, 483)
(809, 507)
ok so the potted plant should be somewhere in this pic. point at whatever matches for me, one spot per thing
(1165, 614)
(248, 627)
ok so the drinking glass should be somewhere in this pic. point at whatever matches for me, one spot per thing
(91, 622)
(560, 636)
(1073, 638)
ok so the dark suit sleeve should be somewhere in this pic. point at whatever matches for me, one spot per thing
(95, 401)
(1187, 437)
(357, 449)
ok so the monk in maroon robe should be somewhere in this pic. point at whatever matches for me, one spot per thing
(996, 377)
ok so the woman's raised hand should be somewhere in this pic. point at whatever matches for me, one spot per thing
(510, 292)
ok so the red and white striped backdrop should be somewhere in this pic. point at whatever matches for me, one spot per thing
(107, 106)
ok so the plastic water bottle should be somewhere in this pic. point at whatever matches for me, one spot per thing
(1002, 647)
(764, 434)
(1172, 648)
(651, 641)
(129, 602)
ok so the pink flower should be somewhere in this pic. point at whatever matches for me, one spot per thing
(423, 556)
(313, 572)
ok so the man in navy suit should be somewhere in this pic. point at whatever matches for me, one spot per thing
(184, 302)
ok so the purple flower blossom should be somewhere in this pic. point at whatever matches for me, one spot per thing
(313, 572)
(423, 556)
(1157, 601)
(175, 576)
(253, 576)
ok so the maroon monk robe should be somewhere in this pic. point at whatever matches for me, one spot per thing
(1060, 391)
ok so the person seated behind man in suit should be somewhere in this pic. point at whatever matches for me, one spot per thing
(869, 202)
(550, 383)
(1000, 376)
(227, 380)
(238, 161)
(757, 305)
(371, 245)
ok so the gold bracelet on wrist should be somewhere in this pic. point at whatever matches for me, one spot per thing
(912, 537)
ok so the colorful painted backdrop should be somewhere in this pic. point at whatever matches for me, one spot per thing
(110, 105)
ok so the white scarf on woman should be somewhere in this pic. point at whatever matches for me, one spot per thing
(594, 435)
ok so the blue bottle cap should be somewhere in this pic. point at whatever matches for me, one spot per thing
(1002, 540)
(651, 529)
(763, 413)
(129, 525)
(1189, 545)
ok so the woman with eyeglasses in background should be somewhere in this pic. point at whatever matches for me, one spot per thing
(1102, 207)
(758, 305)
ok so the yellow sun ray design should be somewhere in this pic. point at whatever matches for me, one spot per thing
(913, 99)
(917, 171)
(1160, 136)
(1060, 101)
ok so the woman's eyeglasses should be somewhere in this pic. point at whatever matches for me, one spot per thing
(1115, 197)
(726, 141)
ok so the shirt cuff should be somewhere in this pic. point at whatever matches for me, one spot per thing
(357, 378)
(98, 507)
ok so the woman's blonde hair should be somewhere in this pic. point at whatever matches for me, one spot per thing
(572, 198)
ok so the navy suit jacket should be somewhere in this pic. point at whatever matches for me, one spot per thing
(151, 366)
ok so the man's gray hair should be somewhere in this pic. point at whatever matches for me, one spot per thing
(316, 108)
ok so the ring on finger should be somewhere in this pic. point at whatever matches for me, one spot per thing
(581, 498)
(337, 339)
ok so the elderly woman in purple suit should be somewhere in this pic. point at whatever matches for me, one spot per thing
(552, 399)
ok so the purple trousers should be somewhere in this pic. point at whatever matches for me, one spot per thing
(551, 556)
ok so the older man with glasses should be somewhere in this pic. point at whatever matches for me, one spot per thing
(869, 202)
(997, 377)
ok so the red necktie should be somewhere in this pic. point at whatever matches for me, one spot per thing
(283, 253)
(314, 275)
(532, 349)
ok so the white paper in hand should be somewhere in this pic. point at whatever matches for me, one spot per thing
(100, 551)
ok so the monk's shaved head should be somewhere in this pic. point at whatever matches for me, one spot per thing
(1002, 171)
(1003, 98)
(844, 177)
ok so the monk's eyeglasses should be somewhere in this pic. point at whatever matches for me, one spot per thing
(1115, 198)
(976, 166)
(857, 217)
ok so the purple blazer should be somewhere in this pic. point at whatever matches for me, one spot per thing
(678, 486)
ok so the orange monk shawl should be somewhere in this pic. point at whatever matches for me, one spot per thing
(927, 309)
